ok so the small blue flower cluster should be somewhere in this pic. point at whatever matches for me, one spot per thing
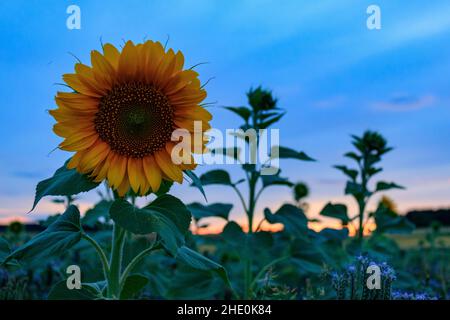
(402, 295)
(351, 283)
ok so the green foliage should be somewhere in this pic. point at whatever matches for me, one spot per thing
(220, 210)
(5, 249)
(275, 179)
(167, 216)
(134, 284)
(88, 291)
(100, 210)
(65, 182)
(370, 148)
(195, 181)
(189, 283)
(288, 153)
(293, 219)
(60, 236)
(300, 191)
(261, 100)
(153, 255)
(215, 177)
(381, 186)
(388, 221)
(338, 211)
(244, 112)
(200, 262)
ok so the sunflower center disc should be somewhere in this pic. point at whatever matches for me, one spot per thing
(135, 119)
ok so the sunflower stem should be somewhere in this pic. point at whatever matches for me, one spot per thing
(116, 262)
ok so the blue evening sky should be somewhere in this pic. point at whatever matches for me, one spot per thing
(332, 75)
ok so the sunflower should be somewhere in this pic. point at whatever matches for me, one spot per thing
(120, 118)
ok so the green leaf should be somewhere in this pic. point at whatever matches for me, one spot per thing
(373, 171)
(268, 115)
(100, 210)
(197, 261)
(164, 187)
(356, 190)
(338, 211)
(215, 177)
(199, 211)
(351, 173)
(243, 112)
(133, 285)
(353, 156)
(196, 182)
(275, 179)
(268, 123)
(167, 216)
(334, 234)
(88, 291)
(5, 250)
(387, 185)
(194, 284)
(388, 221)
(287, 153)
(309, 258)
(293, 219)
(65, 182)
(55, 240)
(233, 234)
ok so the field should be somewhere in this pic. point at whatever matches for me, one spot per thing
(225, 150)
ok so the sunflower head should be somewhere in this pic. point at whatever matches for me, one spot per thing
(261, 99)
(371, 143)
(123, 110)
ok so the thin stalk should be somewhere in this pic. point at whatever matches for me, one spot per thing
(361, 217)
(134, 262)
(250, 213)
(100, 252)
(116, 262)
(240, 197)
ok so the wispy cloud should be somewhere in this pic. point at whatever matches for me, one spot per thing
(405, 102)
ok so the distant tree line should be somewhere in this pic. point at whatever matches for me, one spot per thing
(425, 218)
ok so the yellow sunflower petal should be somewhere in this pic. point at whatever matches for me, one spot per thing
(135, 173)
(117, 170)
(76, 102)
(94, 155)
(75, 160)
(102, 69)
(195, 113)
(112, 55)
(155, 56)
(75, 83)
(86, 76)
(152, 172)
(165, 163)
(179, 81)
(77, 143)
(128, 62)
(102, 173)
(68, 128)
(123, 188)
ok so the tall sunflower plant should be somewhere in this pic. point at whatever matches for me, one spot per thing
(117, 120)
(370, 148)
(252, 262)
